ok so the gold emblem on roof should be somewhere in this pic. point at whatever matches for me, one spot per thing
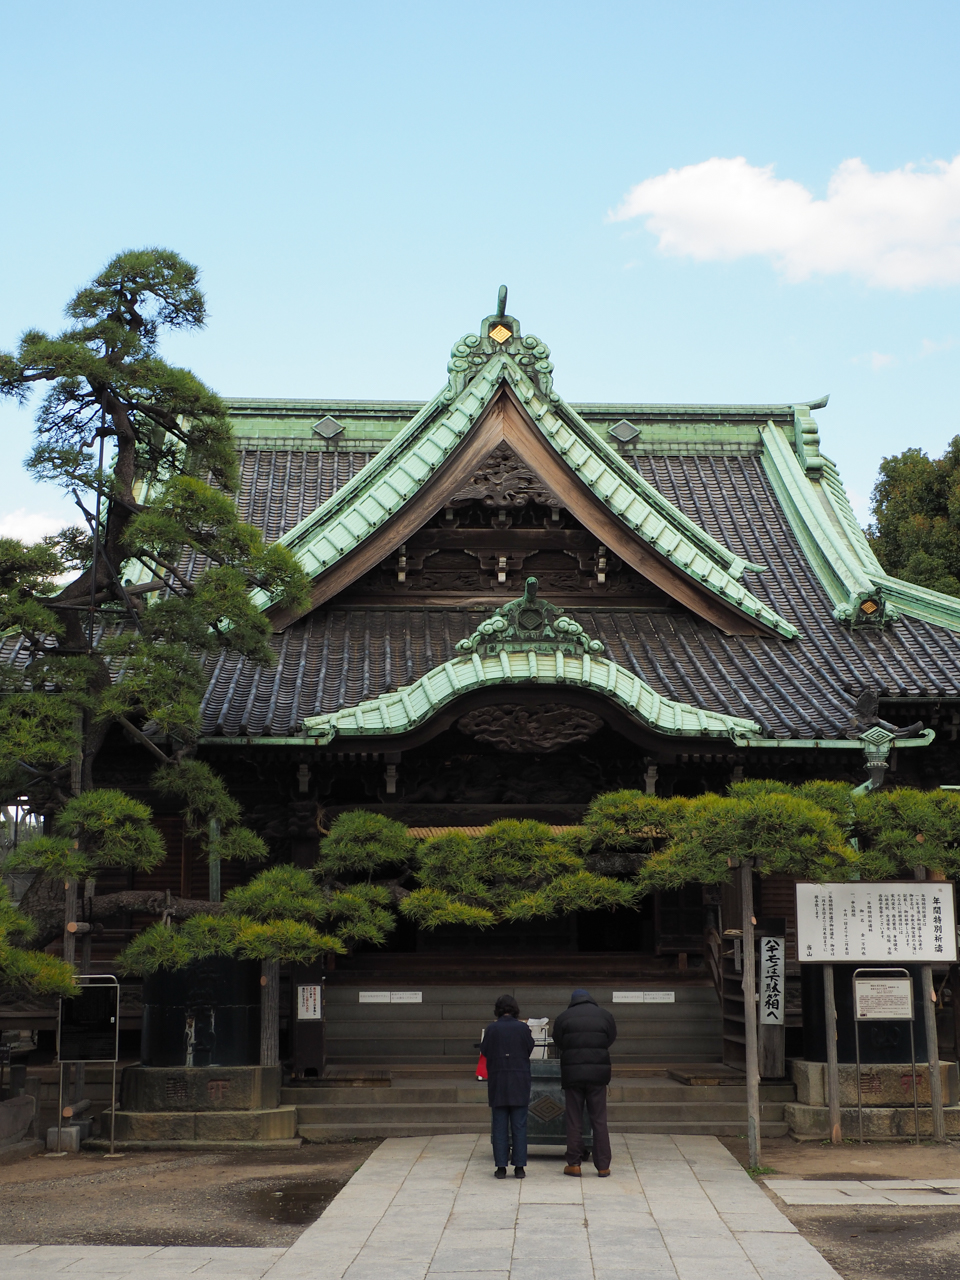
(500, 333)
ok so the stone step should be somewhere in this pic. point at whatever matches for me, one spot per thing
(206, 1126)
(399, 1129)
(190, 1144)
(620, 1091)
(471, 1114)
(809, 1123)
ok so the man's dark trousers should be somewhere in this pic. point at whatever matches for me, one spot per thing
(516, 1118)
(595, 1099)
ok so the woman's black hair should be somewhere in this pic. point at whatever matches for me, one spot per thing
(506, 1004)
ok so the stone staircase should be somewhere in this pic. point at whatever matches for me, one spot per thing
(413, 1106)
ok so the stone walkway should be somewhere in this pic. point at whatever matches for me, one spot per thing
(429, 1209)
(902, 1192)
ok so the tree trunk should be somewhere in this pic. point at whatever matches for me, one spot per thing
(69, 917)
(45, 904)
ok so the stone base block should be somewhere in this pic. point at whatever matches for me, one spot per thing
(206, 1126)
(16, 1115)
(21, 1150)
(808, 1122)
(71, 1136)
(191, 1089)
(882, 1085)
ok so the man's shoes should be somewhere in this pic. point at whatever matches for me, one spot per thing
(501, 1171)
(603, 1173)
(518, 1171)
(572, 1170)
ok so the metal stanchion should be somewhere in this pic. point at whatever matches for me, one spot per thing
(899, 1008)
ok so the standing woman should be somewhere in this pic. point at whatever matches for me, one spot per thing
(507, 1045)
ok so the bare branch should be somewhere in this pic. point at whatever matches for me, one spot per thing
(143, 740)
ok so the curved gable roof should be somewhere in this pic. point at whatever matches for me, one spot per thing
(503, 390)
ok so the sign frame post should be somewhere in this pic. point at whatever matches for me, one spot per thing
(89, 980)
(899, 974)
(856, 922)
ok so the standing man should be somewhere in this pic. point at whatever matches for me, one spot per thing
(507, 1045)
(584, 1033)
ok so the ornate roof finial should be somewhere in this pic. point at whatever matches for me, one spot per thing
(499, 336)
(528, 623)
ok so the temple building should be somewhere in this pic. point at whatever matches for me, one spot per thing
(519, 603)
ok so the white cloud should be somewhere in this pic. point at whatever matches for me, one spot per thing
(29, 526)
(898, 230)
(928, 347)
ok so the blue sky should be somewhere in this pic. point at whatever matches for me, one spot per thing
(356, 181)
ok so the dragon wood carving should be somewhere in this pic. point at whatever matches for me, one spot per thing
(504, 480)
(520, 729)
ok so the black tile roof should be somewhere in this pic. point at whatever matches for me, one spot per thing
(339, 656)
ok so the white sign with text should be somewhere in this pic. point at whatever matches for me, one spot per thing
(883, 999)
(310, 1004)
(772, 982)
(391, 997)
(909, 920)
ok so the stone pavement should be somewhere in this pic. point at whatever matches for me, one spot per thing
(902, 1192)
(429, 1209)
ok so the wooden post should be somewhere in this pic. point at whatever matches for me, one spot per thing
(833, 1071)
(750, 1014)
(933, 1052)
(955, 994)
(86, 949)
(270, 1013)
(929, 997)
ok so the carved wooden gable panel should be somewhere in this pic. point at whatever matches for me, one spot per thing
(500, 527)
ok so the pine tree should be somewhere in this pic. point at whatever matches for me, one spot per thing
(145, 449)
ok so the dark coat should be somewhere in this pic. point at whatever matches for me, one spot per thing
(507, 1045)
(584, 1033)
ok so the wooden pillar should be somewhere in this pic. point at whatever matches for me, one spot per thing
(270, 1013)
(933, 1052)
(929, 997)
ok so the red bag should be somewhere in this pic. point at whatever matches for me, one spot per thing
(482, 1068)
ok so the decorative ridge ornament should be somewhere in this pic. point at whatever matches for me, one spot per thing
(867, 609)
(528, 623)
(499, 335)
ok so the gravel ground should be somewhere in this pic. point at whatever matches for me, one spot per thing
(869, 1242)
(162, 1198)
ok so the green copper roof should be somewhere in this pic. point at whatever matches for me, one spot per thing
(479, 366)
(526, 641)
(816, 505)
(396, 713)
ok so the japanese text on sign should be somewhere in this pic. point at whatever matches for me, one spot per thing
(310, 1003)
(915, 920)
(883, 999)
(772, 971)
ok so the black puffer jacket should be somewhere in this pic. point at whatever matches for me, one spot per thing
(584, 1033)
